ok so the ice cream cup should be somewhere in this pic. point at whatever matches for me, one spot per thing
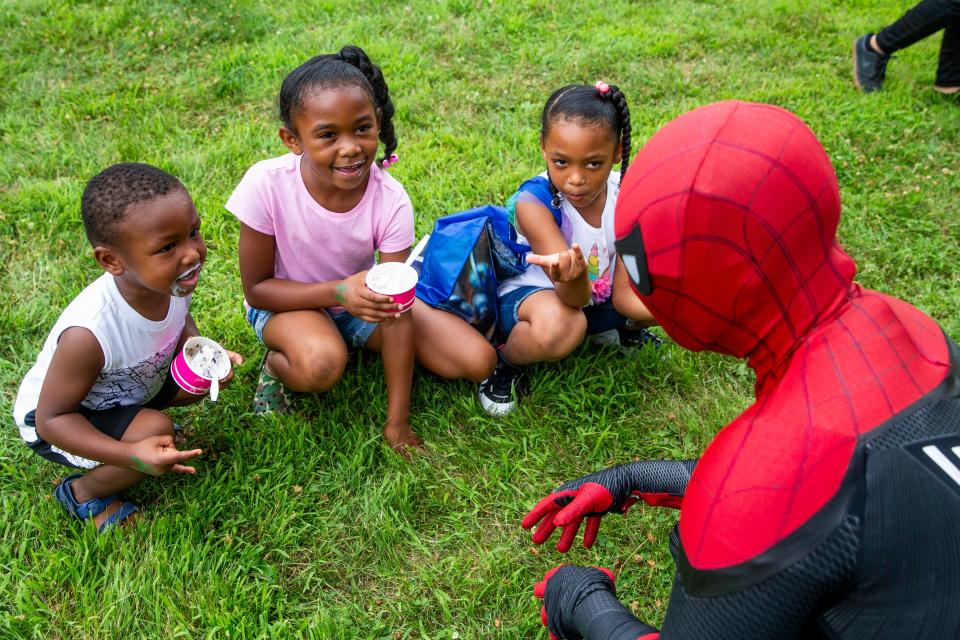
(199, 362)
(394, 279)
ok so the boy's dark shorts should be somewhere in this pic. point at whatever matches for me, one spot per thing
(112, 422)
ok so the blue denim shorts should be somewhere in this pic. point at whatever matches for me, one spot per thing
(355, 332)
(600, 317)
(509, 307)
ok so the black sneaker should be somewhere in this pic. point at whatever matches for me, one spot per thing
(500, 392)
(869, 67)
(631, 339)
(626, 340)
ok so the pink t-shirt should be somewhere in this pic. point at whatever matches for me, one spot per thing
(314, 244)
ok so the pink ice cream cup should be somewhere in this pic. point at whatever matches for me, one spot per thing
(394, 279)
(198, 363)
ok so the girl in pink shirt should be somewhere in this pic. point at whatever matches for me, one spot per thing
(311, 224)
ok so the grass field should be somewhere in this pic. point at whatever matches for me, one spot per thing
(306, 525)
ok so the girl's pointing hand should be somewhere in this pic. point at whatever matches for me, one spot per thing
(565, 266)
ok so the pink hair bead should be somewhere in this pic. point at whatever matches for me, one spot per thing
(390, 161)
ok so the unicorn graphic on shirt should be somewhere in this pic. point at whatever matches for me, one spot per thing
(593, 262)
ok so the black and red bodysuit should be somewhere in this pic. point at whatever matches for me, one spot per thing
(830, 508)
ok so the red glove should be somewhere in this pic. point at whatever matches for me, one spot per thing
(613, 490)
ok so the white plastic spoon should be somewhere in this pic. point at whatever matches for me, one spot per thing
(417, 250)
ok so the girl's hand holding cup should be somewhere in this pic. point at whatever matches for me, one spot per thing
(564, 266)
(354, 295)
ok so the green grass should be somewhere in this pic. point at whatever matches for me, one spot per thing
(306, 525)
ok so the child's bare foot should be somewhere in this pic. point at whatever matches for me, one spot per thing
(402, 438)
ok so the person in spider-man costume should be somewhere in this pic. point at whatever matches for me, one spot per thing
(830, 508)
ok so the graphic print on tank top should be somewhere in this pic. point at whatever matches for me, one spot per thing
(135, 384)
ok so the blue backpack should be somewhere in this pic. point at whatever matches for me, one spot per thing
(467, 255)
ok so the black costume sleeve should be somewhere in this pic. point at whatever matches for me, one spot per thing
(581, 603)
(654, 481)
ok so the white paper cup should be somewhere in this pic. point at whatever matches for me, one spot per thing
(396, 280)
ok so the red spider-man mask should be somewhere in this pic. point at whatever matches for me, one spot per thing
(726, 222)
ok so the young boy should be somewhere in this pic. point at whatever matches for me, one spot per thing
(92, 399)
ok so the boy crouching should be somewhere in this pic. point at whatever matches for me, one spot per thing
(92, 400)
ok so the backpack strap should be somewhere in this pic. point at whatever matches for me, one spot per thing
(537, 189)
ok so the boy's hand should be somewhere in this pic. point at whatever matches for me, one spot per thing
(236, 360)
(157, 455)
(565, 266)
(363, 303)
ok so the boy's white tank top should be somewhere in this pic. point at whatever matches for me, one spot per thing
(136, 351)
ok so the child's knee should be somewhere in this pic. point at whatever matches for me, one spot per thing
(480, 364)
(148, 423)
(559, 337)
(318, 367)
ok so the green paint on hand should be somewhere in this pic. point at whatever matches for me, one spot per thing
(141, 466)
(341, 294)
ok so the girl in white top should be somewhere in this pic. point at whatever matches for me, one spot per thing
(566, 216)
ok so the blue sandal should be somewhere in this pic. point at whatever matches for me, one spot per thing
(91, 508)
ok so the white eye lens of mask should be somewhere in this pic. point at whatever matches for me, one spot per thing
(630, 249)
(630, 262)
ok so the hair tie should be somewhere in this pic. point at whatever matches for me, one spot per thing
(392, 159)
(602, 87)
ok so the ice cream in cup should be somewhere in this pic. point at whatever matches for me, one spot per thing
(200, 366)
(394, 279)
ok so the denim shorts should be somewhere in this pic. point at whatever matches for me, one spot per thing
(603, 317)
(509, 307)
(355, 332)
(600, 317)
